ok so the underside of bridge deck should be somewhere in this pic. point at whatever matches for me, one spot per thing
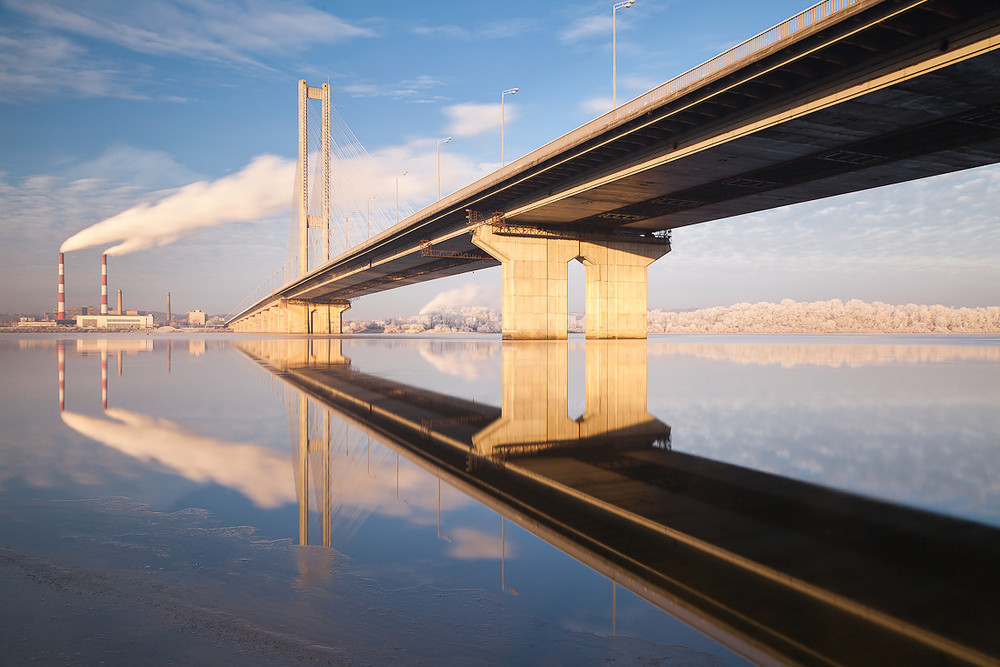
(880, 92)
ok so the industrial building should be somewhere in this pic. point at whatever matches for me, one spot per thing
(114, 321)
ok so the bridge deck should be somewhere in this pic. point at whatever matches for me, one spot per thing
(880, 92)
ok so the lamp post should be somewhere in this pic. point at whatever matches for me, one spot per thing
(614, 49)
(440, 141)
(397, 194)
(510, 91)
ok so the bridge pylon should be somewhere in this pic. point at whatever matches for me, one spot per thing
(307, 221)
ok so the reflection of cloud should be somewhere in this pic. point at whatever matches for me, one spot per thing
(467, 361)
(475, 544)
(256, 472)
(832, 355)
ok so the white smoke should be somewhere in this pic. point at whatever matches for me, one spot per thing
(471, 294)
(257, 191)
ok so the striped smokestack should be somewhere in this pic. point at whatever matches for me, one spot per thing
(120, 311)
(104, 284)
(61, 304)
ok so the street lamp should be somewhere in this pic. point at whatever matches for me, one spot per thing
(510, 91)
(614, 49)
(397, 194)
(440, 141)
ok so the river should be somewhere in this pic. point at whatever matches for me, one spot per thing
(696, 500)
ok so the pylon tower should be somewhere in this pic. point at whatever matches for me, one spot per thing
(306, 221)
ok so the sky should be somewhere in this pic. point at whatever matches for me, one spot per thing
(180, 118)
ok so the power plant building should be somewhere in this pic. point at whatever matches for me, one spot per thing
(114, 321)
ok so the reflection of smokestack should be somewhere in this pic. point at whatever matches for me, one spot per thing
(104, 284)
(120, 311)
(104, 378)
(61, 355)
(61, 305)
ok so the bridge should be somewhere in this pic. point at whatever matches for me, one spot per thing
(846, 96)
(780, 571)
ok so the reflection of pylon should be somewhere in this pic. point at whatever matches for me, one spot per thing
(307, 445)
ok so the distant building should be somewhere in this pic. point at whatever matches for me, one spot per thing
(196, 318)
(114, 321)
(32, 322)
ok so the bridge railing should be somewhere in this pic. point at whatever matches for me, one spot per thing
(783, 30)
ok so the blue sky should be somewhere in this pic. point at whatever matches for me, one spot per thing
(106, 105)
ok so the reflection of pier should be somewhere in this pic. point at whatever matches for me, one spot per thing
(779, 570)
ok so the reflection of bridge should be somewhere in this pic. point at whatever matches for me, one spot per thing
(779, 570)
(844, 97)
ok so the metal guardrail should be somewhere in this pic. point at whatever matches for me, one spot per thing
(787, 28)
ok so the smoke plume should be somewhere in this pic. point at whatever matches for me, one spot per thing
(257, 191)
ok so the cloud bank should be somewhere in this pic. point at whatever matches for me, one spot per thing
(257, 191)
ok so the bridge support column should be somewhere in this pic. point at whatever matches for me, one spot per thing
(328, 318)
(535, 282)
(616, 286)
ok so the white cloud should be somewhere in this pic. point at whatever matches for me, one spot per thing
(596, 106)
(497, 30)
(411, 90)
(586, 28)
(42, 60)
(36, 64)
(470, 118)
(227, 30)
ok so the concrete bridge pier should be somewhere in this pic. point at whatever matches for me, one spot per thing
(295, 317)
(536, 283)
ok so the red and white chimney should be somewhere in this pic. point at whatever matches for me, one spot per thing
(104, 284)
(61, 305)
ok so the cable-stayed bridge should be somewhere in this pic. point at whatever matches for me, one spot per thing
(846, 96)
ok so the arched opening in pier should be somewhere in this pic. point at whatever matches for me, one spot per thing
(576, 289)
(576, 292)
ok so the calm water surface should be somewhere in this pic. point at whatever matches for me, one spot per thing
(701, 499)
